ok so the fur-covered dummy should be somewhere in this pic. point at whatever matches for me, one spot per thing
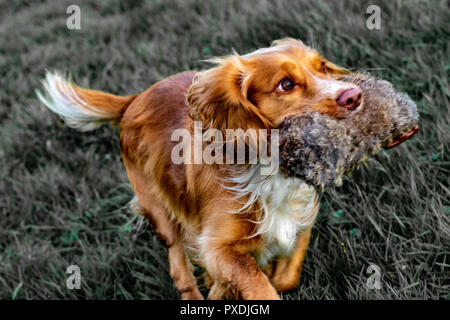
(320, 149)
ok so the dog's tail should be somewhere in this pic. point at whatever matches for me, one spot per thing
(82, 109)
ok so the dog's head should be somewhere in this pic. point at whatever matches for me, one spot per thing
(260, 89)
(330, 120)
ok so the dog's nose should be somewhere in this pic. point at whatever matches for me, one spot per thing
(350, 98)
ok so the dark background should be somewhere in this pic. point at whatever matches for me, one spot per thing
(64, 194)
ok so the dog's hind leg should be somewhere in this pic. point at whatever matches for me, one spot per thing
(151, 207)
(181, 269)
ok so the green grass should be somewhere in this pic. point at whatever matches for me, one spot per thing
(63, 194)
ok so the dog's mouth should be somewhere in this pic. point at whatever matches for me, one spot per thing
(405, 136)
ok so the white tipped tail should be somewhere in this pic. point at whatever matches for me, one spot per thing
(82, 109)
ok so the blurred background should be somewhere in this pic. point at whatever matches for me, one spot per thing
(64, 194)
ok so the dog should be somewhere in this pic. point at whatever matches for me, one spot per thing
(250, 235)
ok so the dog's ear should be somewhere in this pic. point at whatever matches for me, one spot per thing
(219, 97)
(332, 69)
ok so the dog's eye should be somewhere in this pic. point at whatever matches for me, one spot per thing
(323, 67)
(286, 85)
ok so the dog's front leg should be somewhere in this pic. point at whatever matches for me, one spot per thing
(287, 271)
(236, 275)
(233, 271)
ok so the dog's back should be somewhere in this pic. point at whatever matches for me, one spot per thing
(146, 121)
(145, 138)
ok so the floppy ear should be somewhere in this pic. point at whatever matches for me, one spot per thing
(218, 97)
(333, 69)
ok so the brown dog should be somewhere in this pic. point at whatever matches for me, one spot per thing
(249, 234)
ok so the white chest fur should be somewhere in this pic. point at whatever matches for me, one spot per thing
(289, 206)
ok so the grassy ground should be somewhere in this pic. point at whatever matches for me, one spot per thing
(63, 194)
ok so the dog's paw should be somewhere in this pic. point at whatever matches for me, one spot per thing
(191, 294)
